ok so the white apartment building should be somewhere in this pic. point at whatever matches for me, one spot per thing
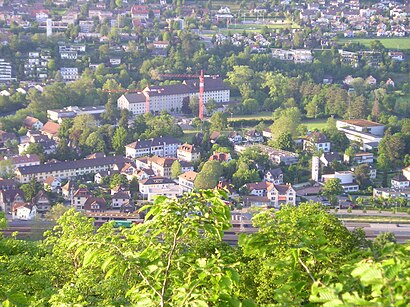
(69, 73)
(69, 55)
(346, 180)
(162, 147)
(6, 71)
(363, 131)
(171, 97)
(187, 181)
(147, 187)
(295, 55)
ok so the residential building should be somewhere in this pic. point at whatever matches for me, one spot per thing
(120, 199)
(41, 201)
(149, 187)
(50, 129)
(33, 136)
(79, 198)
(95, 204)
(281, 194)
(6, 137)
(400, 182)
(187, 181)
(328, 157)
(406, 172)
(162, 147)
(258, 188)
(297, 55)
(171, 97)
(346, 180)
(67, 190)
(8, 184)
(254, 136)
(161, 166)
(52, 184)
(169, 192)
(274, 176)
(220, 156)
(361, 125)
(66, 169)
(234, 137)
(36, 65)
(188, 152)
(392, 193)
(24, 211)
(6, 72)
(360, 158)
(316, 141)
(276, 155)
(22, 161)
(32, 123)
(10, 196)
(69, 73)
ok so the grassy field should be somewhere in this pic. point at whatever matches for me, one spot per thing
(390, 43)
(259, 116)
(313, 124)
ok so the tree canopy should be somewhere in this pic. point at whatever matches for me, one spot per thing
(299, 255)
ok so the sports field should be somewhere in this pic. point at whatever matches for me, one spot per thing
(389, 43)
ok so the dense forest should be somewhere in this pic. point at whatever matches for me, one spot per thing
(299, 256)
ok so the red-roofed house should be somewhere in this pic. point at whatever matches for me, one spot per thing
(32, 123)
(51, 130)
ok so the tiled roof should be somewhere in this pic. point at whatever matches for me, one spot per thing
(50, 128)
(263, 185)
(29, 121)
(95, 200)
(190, 176)
(281, 188)
(317, 137)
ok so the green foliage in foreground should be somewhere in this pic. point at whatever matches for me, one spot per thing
(300, 256)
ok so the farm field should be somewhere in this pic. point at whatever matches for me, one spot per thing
(389, 43)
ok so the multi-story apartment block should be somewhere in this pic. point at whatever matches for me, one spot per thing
(171, 97)
(162, 147)
(69, 73)
(363, 131)
(6, 71)
(188, 152)
(36, 65)
(67, 169)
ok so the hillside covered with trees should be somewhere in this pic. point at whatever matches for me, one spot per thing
(299, 256)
